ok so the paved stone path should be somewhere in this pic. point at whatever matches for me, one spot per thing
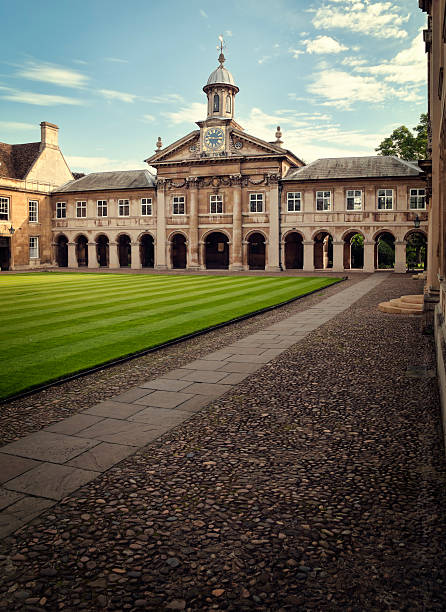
(44, 467)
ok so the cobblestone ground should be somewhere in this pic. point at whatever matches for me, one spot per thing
(317, 484)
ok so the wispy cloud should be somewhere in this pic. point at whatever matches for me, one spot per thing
(324, 44)
(228, 33)
(296, 52)
(103, 164)
(79, 61)
(148, 118)
(166, 99)
(197, 110)
(379, 19)
(116, 60)
(111, 94)
(203, 13)
(264, 59)
(50, 73)
(16, 125)
(37, 99)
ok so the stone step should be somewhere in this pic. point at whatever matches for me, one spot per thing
(413, 299)
(398, 307)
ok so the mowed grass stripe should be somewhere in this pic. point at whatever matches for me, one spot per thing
(98, 326)
(64, 348)
(126, 301)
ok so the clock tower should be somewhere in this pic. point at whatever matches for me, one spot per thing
(220, 90)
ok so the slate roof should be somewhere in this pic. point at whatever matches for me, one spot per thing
(122, 179)
(17, 159)
(354, 167)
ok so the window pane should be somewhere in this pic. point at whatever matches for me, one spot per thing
(4, 209)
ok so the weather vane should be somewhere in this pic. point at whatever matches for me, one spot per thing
(221, 46)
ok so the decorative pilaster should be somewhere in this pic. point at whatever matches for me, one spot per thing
(113, 255)
(135, 261)
(92, 255)
(202, 249)
(72, 259)
(161, 213)
(193, 223)
(237, 258)
(369, 256)
(400, 257)
(308, 256)
(338, 256)
(273, 241)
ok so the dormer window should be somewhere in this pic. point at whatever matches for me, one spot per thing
(216, 103)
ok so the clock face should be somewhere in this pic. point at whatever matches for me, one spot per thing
(214, 138)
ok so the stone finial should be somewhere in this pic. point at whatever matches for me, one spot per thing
(159, 144)
(221, 57)
(278, 135)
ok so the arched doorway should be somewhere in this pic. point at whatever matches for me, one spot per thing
(353, 251)
(416, 251)
(179, 251)
(147, 251)
(294, 251)
(82, 251)
(62, 251)
(102, 251)
(323, 251)
(124, 251)
(5, 252)
(217, 251)
(384, 250)
(256, 251)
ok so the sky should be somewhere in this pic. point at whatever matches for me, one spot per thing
(337, 75)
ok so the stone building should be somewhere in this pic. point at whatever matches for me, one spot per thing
(222, 198)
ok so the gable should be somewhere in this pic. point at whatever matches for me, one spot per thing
(177, 151)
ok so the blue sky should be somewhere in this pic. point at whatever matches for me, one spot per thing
(336, 75)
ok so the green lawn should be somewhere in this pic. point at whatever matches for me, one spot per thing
(55, 324)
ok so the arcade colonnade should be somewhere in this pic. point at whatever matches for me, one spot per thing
(320, 250)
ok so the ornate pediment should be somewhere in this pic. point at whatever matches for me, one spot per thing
(183, 149)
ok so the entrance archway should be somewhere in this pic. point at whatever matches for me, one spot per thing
(102, 251)
(323, 251)
(179, 251)
(416, 251)
(384, 250)
(256, 251)
(124, 251)
(82, 251)
(294, 251)
(62, 251)
(147, 251)
(217, 251)
(5, 252)
(353, 251)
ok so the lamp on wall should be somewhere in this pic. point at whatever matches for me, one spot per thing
(11, 230)
(416, 222)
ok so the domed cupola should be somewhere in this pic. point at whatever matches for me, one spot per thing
(221, 90)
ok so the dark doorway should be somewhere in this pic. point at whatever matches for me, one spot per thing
(294, 251)
(102, 248)
(5, 252)
(217, 251)
(323, 251)
(82, 251)
(256, 251)
(385, 251)
(62, 252)
(124, 251)
(179, 251)
(147, 251)
(353, 251)
(416, 251)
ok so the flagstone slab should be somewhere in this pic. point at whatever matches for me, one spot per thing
(204, 376)
(176, 374)
(161, 418)
(51, 481)
(234, 378)
(48, 446)
(102, 457)
(240, 367)
(22, 512)
(117, 431)
(73, 424)
(164, 399)
(202, 364)
(195, 403)
(7, 498)
(12, 466)
(165, 384)
(212, 389)
(114, 410)
(131, 395)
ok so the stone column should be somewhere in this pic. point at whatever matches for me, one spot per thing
(308, 256)
(192, 251)
(369, 256)
(237, 259)
(245, 265)
(113, 255)
(273, 241)
(161, 213)
(72, 259)
(400, 257)
(338, 256)
(135, 262)
(168, 254)
(92, 255)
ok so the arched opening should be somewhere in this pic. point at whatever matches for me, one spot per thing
(82, 251)
(294, 251)
(62, 251)
(124, 251)
(323, 251)
(216, 103)
(228, 103)
(5, 252)
(179, 251)
(256, 251)
(147, 251)
(416, 251)
(102, 251)
(353, 251)
(217, 251)
(384, 251)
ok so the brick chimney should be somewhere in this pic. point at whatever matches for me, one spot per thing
(49, 135)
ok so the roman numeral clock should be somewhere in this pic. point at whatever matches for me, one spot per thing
(214, 139)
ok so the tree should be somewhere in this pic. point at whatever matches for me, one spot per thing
(404, 144)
